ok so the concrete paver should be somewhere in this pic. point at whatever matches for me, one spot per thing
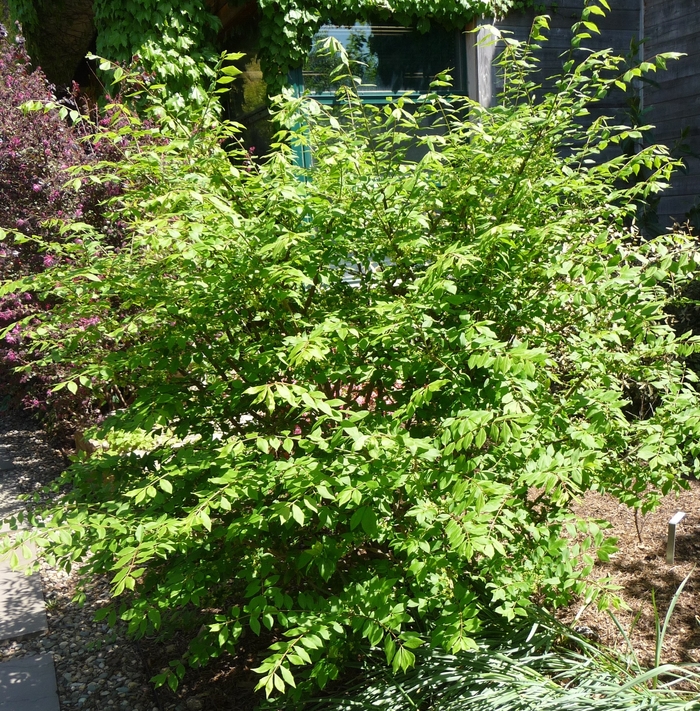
(22, 608)
(28, 684)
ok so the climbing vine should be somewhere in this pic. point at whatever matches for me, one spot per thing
(287, 27)
(174, 40)
(25, 11)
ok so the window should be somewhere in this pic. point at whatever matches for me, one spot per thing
(394, 59)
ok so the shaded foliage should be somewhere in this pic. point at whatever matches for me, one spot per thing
(532, 665)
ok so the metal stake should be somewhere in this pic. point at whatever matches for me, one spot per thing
(671, 544)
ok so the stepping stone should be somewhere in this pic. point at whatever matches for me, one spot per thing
(10, 489)
(29, 684)
(22, 607)
(9, 508)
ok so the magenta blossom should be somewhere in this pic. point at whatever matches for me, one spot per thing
(84, 323)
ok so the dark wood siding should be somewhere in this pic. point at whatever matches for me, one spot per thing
(618, 29)
(674, 103)
(673, 99)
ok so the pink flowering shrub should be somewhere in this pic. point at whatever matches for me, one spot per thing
(36, 148)
(38, 194)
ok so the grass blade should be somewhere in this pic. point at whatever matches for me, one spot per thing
(669, 613)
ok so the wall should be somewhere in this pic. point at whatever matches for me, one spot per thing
(674, 104)
(618, 29)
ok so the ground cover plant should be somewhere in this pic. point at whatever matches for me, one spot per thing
(366, 394)
(535, 665)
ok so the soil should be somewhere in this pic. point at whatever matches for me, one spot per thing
(225, 684)
(643, 575)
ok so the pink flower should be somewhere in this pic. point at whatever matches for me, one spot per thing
(84, 323)
(49, 261)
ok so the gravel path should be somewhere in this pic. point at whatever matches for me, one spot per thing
(97, 668)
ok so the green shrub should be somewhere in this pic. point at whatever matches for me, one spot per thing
(367, 394)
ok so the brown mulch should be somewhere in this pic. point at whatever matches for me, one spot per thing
(640, 569)
(225, 684)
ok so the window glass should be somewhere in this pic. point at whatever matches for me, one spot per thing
(395, 58)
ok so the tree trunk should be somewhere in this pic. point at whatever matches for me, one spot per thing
(60, 36)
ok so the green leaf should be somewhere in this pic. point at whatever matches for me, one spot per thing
(166, 486)
(205, 520)
(154, 617)
(389, 649)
